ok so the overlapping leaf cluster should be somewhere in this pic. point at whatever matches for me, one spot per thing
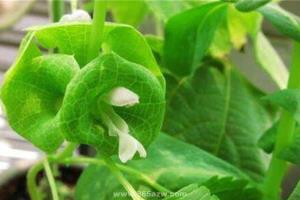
(56, 96)
(209, 103)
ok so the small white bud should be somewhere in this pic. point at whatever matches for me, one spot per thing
(78, 15)
(82, 15)
(121, 96)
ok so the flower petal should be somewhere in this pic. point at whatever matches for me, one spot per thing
(121, 96)
(82, 15)
(141, 150)
(116, 125)
(128, 146)
(78, 15)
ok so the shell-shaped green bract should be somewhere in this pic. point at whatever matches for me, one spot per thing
(122, 39)
(81, 110)
(49, 97)
(32, 94)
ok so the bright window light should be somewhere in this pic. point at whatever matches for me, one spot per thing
(7, 151)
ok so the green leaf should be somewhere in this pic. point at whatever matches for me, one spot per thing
(240, 24)
(233, 31)
(269, 60)
(92, 182)
(249, 5)
(221, 44)
(128, 12)
(267, 140)
(228, 188)
(131, 45)
(170, 162)
(192, 192)
(163, 10)
(189, 35)
(296, 193)
(183, 164)
(288, 99)
(284, 21)
(40, 83)
(68, 38)
(292, 152)
(81, 109)
(32, 93)
(72, 38)
(216, 112)
(157, 45)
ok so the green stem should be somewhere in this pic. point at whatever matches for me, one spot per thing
(51, 179)
(57, 10)
(31, 181)
(35, 169)
(144, 178)
(31, 176)
(79, 160)
(68, 151)
(117, 173)
(158, 27)
(74, 4)
(86, 160)
(97, 29)
(285, 131)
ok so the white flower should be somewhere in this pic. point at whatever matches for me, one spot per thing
(128, 145)
(121, 96)
(78, 15)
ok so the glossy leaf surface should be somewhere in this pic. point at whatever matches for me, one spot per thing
(32, 93)
(216, 112)
(72, 39)
(81, 109)
(187, 39)
(170, 162)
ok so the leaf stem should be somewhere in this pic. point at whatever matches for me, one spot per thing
(285, 132)
(117, 173)
(74, 4)
(31, 181)
(97, 29)
(51, 179)
(67, 151)
(144, 178)
(57, 10)
(126, 169)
